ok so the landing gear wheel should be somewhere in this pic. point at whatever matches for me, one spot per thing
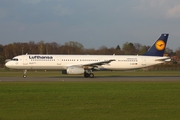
(91, 75)
(86, 75)
(24, 76)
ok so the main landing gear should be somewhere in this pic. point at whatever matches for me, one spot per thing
(88, 74)
(24, 75)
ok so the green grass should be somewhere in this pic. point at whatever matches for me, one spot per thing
(90, 100)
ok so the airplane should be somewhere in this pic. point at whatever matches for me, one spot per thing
(86, 64)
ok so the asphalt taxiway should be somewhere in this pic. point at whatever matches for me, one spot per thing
(96, 79)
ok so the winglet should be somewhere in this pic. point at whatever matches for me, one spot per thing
(158, 47)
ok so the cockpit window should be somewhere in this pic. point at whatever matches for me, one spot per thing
(14, 59)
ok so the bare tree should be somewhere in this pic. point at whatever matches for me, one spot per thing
(73, 47)
(32, 47)
(41, 47)
(129, 49)
(138, 47)
(178, 52)
(169, 51)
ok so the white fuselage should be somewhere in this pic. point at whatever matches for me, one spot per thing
(62, 62)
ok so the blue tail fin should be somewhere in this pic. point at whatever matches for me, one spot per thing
(158, 47)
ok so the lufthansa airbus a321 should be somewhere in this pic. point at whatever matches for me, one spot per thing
(86, 64)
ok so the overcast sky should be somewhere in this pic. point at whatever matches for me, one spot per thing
(93, 23)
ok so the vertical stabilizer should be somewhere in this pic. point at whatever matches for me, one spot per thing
(158, 47)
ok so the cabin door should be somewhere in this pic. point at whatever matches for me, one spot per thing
(25, 60)
(143, 61)
(58, 61)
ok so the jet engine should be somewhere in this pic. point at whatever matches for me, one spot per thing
(73, 70)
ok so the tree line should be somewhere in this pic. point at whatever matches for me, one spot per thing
(10, 50)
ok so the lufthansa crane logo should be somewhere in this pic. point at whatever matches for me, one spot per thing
(160, 45)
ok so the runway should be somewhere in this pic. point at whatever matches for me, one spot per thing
(96, 79)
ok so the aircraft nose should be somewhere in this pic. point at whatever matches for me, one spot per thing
(7, 64)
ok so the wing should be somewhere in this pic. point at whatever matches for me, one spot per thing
(99, 63)
(95, 64)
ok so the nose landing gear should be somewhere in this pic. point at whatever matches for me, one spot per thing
(24, 75)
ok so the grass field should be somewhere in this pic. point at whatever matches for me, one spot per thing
(90, 100)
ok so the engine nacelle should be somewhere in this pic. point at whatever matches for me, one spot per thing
(73, 70)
